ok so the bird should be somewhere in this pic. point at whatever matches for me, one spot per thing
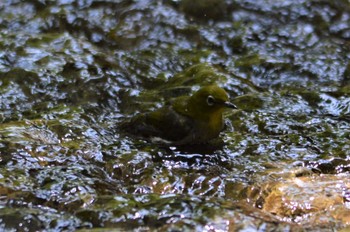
(195, 119)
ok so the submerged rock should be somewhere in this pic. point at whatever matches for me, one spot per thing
(315, 200)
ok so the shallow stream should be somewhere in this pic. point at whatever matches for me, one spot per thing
(72, 70)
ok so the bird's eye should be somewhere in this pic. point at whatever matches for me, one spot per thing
(210, 100)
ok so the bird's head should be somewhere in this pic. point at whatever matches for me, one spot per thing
(209, 100)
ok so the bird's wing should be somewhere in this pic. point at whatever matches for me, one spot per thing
(163, 124)
(166, 123)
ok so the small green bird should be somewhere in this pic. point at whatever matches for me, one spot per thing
(187, 120)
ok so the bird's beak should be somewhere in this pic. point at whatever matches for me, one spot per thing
(230, 105)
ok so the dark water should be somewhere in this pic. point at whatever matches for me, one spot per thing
(70, 71)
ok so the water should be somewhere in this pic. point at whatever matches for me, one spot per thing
(70, 71)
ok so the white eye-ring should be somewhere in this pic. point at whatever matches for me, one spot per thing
(210, 100)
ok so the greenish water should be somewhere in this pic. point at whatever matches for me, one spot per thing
(71, 71)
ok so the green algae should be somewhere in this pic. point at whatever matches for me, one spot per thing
(207, 9)
(248, 102)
